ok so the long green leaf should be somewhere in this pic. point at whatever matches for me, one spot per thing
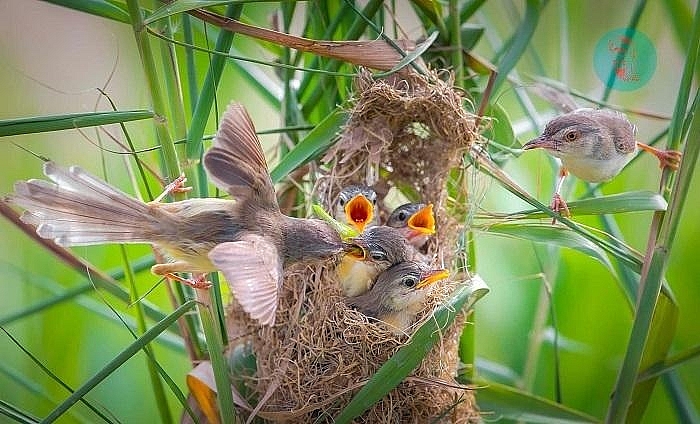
(520, 40)
(180, 6)
(632, 201)
(409, 356)
(102, 8)
(498, 401)
(549, 234)
(661, 333)
(37, 124)
(661, 241)
(411, 56)
(318, 140)
(119, 360)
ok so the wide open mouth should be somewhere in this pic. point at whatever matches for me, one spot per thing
(359, 211)
(423, 221)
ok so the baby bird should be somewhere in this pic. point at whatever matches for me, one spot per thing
(594, 145)
(416, 221)
(399, 293)
(357, 207)
(379, 248)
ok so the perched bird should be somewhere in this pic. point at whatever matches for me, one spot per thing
(594, 145)
(379, 248)
(248, 238)
(416, 221)
(357, 207)
(398, 294)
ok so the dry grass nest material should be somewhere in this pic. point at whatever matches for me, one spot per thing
(320, 353)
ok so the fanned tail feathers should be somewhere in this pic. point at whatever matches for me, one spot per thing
(79, 209)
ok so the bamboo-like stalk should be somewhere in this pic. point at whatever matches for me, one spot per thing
(143, 43)
(661, 237)
(157, 385)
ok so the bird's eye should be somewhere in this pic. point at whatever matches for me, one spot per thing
(571, 135)
(409, 281)
(378, 256)
(403, 215)
(341, 201)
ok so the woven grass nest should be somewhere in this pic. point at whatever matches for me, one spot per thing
(410, 130)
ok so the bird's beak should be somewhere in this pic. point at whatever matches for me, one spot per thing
(536, 143)
(359, 211)
(356, 252)
(423, 221)
(433, 276)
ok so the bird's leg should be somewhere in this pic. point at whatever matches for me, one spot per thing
(169, 269)
(667, 158)
(177, 186)
(558, 204)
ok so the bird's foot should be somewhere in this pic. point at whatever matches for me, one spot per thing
(667, 158)
(199, 281)
(559, 206)
(177, 186)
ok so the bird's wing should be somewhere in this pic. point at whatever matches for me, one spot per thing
(236, 163)
(253, 270)
(622, 131)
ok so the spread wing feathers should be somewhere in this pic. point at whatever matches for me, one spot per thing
(236, 162)
(253, 270)
(79, 209)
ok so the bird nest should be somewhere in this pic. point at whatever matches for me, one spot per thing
(410, 130)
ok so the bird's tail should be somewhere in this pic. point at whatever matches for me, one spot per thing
(78, 209)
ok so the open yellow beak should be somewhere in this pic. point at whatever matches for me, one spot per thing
(433, 276)
(359, 212)
(356, 252)
(423, 221)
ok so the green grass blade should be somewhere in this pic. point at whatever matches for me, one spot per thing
(553, 235)
(102, 8)
(661, 333)
(631, 201)
(180, 6)
(318, 140)
(207, 94)
(520, 40)
(53, 376)
(151, 364)
(411, 56)
(219, 363)
(670, 363)
(37, 124)
(119, 360)
(16, 414)
(661, 244)
(498, 401)
(409, 356)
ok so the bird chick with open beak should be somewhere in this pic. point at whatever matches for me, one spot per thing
(373, 251)
(357, 207)
(399, 293)
(594, 145)
(416, 221)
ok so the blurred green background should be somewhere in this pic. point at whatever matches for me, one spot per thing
(51, 61)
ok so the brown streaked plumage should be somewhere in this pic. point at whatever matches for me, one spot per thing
(399, 293)
(248, 238)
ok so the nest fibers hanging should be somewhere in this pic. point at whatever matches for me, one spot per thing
(320, 353)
